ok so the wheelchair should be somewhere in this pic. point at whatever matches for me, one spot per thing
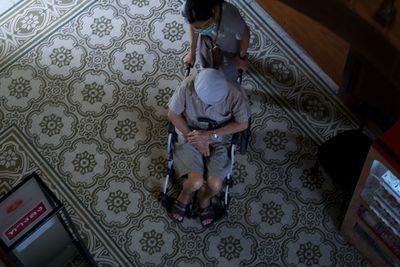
(239, 143)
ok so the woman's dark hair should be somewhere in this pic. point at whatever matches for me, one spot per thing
(200, 10)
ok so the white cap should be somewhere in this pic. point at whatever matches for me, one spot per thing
(211, 86)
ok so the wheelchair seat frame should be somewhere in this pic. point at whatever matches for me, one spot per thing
(241, 137)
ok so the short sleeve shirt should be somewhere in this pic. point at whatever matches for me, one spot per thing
(185, 102)
(231, 28)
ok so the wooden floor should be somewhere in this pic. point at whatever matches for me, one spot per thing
(327, 49)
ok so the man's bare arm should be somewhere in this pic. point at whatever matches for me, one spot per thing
(180, 123)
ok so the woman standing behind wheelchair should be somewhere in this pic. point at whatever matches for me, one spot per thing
(222, 23)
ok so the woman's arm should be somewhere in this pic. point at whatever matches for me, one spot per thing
(243, 63)
(244, 43)
(190, 58)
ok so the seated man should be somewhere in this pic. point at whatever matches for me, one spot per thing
(208, 95)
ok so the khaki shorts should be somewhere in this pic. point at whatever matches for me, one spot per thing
(188, 159)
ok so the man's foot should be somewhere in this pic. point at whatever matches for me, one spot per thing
(207, 216)
(178, 211)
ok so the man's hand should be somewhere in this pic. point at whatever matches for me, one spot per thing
(242, 64)
(198, 136)
(200, 140)
(190, 58)
(203, 148)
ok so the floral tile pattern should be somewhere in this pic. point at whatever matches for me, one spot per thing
(22, 27)
(83, 102)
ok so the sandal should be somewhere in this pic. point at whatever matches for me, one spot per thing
(207, 214)
(178, 209)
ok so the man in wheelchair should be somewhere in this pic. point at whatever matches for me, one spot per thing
(201, 150)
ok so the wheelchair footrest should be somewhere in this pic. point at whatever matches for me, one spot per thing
(166, 201)
(219, 212)
(229, 182)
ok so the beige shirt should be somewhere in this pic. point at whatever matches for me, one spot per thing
(185, 102)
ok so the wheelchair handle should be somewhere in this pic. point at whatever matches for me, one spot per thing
(188, 67)
(212, 124)
(240, 76)
(245, 138)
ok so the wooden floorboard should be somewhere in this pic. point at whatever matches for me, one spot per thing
(327, 49)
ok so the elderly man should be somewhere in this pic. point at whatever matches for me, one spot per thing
(212, 96)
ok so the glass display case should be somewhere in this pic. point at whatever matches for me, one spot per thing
(372, 221)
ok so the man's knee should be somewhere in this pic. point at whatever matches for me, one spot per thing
(194, 182)
(214, 183)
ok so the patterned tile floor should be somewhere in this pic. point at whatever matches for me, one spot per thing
(7, 5)
(84, 88)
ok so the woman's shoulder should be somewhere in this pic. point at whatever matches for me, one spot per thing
(231, 18)
(229, 8)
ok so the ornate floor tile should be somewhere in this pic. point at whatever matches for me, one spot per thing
(272, 213)
(117, 201)
(309, 248)
(21, 86)
(101, 27)
(170, 35)
(84, 163)
(51, 125)
(28, 22)
(150, 167)
(134, 62)
(141, 8)
(93, 93)
(152, 241)
(12, 159)
(269, 252)
(125, 129)
(7, 5)
(159, 92)
(230, 245)
(245, 173)
(309, 184)
(61, 57)
(277, 139)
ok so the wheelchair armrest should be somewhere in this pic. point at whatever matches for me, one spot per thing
(172, 132)
(244, 138)
(235, 137)
(171, 128)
